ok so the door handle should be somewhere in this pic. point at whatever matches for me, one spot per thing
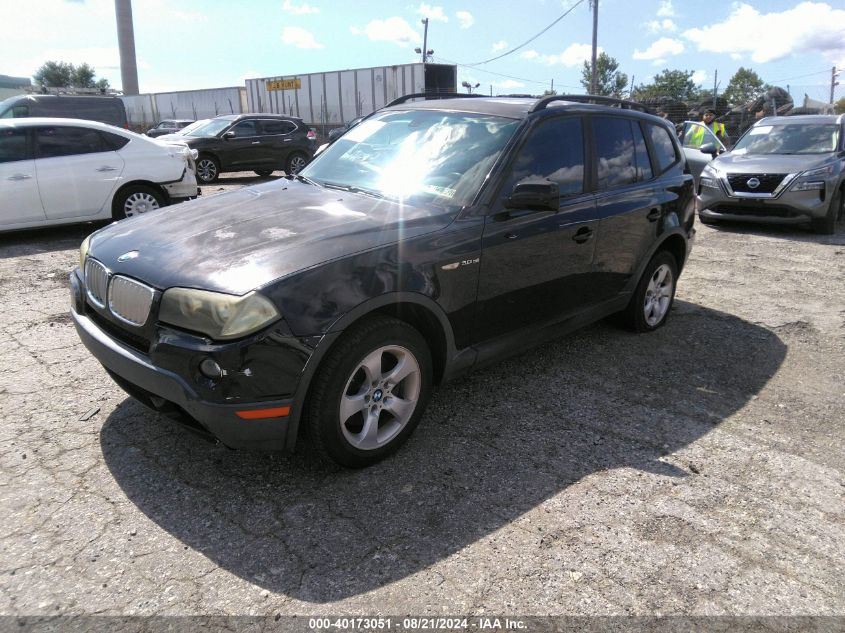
(654, 215)
(511, 236)
(107, 168)
(584, 234)
(256, 142)
(19, 177)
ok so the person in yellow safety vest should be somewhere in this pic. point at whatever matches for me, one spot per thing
(696, 136)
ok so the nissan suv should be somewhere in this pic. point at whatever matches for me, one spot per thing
(431, 238)
(261, 143)
(784, 170)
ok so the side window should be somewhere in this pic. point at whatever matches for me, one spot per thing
(270, 127)
(245, 128)
(614, 152)
(644, 171)
(12, 145)
(664, 148)
(554, 151)
(68, 141)
(114, 141)
(16, 112)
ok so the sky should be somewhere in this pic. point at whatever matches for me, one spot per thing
(190, 44)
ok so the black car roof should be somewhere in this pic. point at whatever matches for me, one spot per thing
(258, 115)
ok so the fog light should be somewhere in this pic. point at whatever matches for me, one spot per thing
(210, 369)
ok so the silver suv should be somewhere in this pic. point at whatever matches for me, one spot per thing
(785, 170)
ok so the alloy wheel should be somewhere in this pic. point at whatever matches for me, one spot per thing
(658, 295)
(206, 170)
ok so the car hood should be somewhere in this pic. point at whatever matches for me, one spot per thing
(239, 241)
(769, 163)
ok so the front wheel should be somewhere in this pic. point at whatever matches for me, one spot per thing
(833, 219)
(263, 172)
(295, 162)
(370, 392)
(135, 200)
(649, 307)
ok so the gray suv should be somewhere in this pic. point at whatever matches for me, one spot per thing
(784, 170)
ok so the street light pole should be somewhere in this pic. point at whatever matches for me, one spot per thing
(425, 40)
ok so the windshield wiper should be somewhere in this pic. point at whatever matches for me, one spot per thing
(304, 179)
(353, 189)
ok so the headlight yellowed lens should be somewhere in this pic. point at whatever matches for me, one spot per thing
(83, 253)
(216, 314)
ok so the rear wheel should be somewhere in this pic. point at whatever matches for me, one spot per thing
(649, 307)
(295, 162)
(208, 169)
(263, 172)
(370, 392)
(135, 200)
(833, 220)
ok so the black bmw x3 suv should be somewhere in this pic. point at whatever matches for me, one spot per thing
(433, 237)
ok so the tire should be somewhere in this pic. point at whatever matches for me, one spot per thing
(295, 162)
(830, 223)
(263, 172)
(707, 221)
(353, 414)
(208, 169)
(135, 200)
(644, 313)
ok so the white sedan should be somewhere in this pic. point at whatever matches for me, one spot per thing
(61, 171)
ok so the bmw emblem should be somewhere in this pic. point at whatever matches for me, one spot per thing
(128, 256)
(377, 395)
(752, 183)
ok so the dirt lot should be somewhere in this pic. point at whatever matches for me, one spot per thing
(698, 470)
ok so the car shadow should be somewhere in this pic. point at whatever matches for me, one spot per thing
(491, 447)
(45, 240)
(795, 232)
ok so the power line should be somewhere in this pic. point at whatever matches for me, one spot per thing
(513, 50)
(490, 72)
(821, 72)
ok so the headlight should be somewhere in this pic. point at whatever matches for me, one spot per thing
(219, 315)
(709, 183)
(83, 253)
(822, 172)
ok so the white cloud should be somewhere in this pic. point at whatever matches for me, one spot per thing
(664, 25)
(299, 37)
(699, 77)
(807, 27)
(302, 9)
(392, 29)
(508, 84)
(660, 50)
(574, 55)
(499, 46)
(465, 18)
(432, 13)
(666, 9)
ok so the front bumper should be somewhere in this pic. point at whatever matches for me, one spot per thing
(180, 396)
(790, 207)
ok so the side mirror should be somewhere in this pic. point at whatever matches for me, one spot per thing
(710, 148)
(229, 134)
(539, 194)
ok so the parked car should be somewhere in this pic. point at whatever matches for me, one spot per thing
(185, 131)
(168, 126)
(61, 171)
(91, 108)
(340, 131)
(432, 238)
(261, 143)
(696, 158)
(784, 170)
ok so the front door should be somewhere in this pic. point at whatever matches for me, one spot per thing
(536, 266)
(19, 201)
(246, 148)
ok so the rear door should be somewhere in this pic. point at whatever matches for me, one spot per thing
(537, 266)
(19, 200)
(280, 139)
(77, 171)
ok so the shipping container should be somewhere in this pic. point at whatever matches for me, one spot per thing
(333, 98)
(149, 109)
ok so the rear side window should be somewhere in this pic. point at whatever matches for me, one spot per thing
(68, 141)
(664, 148)
(12, 145)
(614, 152)
(554, 151)
(269, 127)
(643, 163)
(114, 141)
(16, 112)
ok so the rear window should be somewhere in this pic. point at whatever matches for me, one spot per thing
(12, 145)
(664, 149)
(614, 152)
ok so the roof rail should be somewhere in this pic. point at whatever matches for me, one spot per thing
(431, 95)
(596, 99)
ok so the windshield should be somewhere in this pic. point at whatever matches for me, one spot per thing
(790, 138)
(209, 128)
(186, 131)
(433, 156)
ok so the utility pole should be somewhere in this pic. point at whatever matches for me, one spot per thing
(715, 86)
(833, 82)
(593, 76)
(553, 86)
(126, 44)
(425, 39)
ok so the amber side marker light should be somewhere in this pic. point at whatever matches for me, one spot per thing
(260, 414)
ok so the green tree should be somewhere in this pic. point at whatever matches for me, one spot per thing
(676, 84)
(744, 86)
(839, 106)
(54, 74)
(609, 81)
(102, 84)
(83, 76)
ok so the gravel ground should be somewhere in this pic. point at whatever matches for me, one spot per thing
(699, 470)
